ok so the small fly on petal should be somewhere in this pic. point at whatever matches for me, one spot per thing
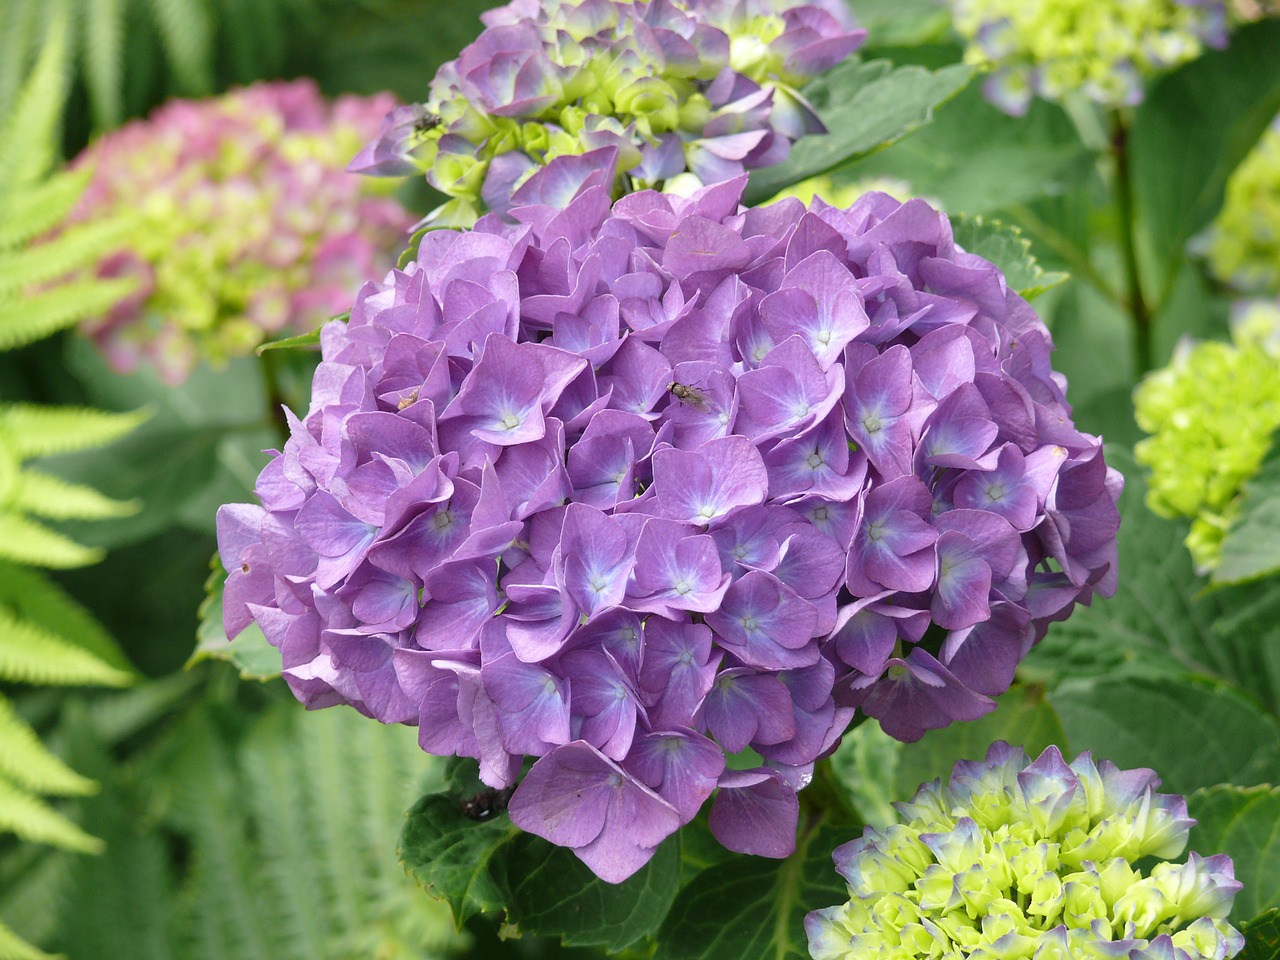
(690, 395)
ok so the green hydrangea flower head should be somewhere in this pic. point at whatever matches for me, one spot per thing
(843, 194)
(1011, 860)
(1243, 246)
(685, 92)
(1210, 415)
(1101, 48)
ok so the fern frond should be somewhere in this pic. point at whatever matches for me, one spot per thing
(36, 211)
(30, 543)
(76, 248)
(102, 39)
(33, 318)
(123, 714)
(31, 654)
(187, 30)
(27, 138)
(48, 496)
(30, 595)
(30, 818)
(28, 763)
(32, 881)
(19, 33)
(37, 431)
(13, 947)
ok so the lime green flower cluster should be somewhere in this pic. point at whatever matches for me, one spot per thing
(685, 92)
(1211, 414)
(1101, 48)
(1011, 861)
(245, 225)
(844, 194)
(1244, 241)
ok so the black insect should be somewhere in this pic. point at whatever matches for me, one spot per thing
(426, 123)
(486, 803)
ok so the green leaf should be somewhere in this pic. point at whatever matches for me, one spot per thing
(74, 248)
(29, 763)
(250, 652)
(43, 206)
(30, 543)
(187, 29)
(39, 431)
(33, 597)
(753, 907)
(52, 497)
(865, 106)
(1158, 623)
(1262, 937)
(1243, 822)
(311, 339)
(1013, 161)
(33, 820)
(31, 654)
(102, 29)
(13, 947)
(552, 893)
(1005, 246)
(27, 135)
(1023, 717)
(1227, 97)
(451, 855)
(1138, 722)
(1251, 549)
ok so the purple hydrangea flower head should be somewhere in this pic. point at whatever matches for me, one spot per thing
(632, 487)
(244, 225)
(689, 92)
(1018, 859)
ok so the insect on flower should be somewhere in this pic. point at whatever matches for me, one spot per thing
(690, 395)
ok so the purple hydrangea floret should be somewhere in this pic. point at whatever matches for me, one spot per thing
(629, 487)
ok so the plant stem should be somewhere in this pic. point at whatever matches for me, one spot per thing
(1036, 227)
(1136, 302)
(267, 363)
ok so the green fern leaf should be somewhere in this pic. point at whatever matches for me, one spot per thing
(37, 431)
(48, 312)
(187, 30)
(31, 654)
(48, 496)
(27, 138)
(13, 947)
(39, 210)
(30, 595)
(27, 542)
(30, 818)
(20, 28)
(28, 763)
(102, 32)
(71, 250)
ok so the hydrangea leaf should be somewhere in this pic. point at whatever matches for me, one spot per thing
(1158, 623)
(1228, 97)
(451, 853)
(1023, 717)
(1221, 736)
(1251, 549)
(250, 652)
(1245, 823)
(1005, 246)
(554, 894)
(1015, 159)
(1262, 937)
(865, 106)
(754, 907)
(310, 339)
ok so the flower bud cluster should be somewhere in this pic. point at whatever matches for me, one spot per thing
(1101, 48)
(689, 92)
(1211, 414)
(632, 487)
(1243, 248)
(1011, 861)
(244, 225)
